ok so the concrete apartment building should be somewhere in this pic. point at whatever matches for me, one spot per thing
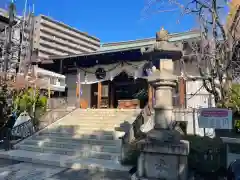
(49, 38)
(53, 38)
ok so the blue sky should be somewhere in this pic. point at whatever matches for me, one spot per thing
(110, 20)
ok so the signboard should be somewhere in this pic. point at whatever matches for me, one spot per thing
(23, 117)
(23, 126)
(215, 118)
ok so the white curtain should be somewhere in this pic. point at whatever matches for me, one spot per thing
(134, 69)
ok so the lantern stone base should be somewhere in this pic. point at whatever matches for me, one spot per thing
(161, 160)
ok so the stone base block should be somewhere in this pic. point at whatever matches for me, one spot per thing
(180, 148)
(161, 166)
(135, 177)
(159, 160)
(164, 135)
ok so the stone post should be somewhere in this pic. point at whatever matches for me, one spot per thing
(163, 153)
(163, 100)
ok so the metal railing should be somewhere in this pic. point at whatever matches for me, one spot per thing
(12, 134)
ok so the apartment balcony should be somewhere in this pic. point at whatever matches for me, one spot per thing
(70, 32)
(51, 51)
(70, 40)
(76, 49)
(59, 47)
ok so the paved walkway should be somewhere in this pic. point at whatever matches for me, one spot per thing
(6, 162)
(26, 171)
(15, 170)
(89, 175)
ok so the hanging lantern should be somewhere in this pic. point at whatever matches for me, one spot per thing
(111, 76)
(100, 73)
(135, 74)
(148, 69)
(154, 68)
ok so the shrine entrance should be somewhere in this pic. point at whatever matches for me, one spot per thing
(129, 92)
(122, 92)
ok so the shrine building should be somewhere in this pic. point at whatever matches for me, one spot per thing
(115, 75)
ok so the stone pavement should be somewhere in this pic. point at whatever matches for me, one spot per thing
(7, 162)
(15, 170)
(28, 171)
(89, 175)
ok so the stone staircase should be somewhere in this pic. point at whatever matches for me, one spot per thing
(84, 139)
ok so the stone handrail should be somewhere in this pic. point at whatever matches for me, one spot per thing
(131, 131)
(132, 128)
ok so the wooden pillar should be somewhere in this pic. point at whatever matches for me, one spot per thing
(112, 95)
(78, 90)
(99, 95)
(150, 96)
(182, 93)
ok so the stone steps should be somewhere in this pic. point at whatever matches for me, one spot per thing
(88, 125)
(70, 152)
(91, 124)
(69, 136)
(102, 116)
(105, 110)
(96, 116)
(74, 146)
(87, 131)
(82, 139)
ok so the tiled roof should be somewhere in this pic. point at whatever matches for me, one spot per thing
(149, 41)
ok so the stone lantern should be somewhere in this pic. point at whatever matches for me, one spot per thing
(162, 35)
(163, 153)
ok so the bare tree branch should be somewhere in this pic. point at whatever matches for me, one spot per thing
(218, 47)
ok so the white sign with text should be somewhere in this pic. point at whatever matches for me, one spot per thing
(215, 118)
